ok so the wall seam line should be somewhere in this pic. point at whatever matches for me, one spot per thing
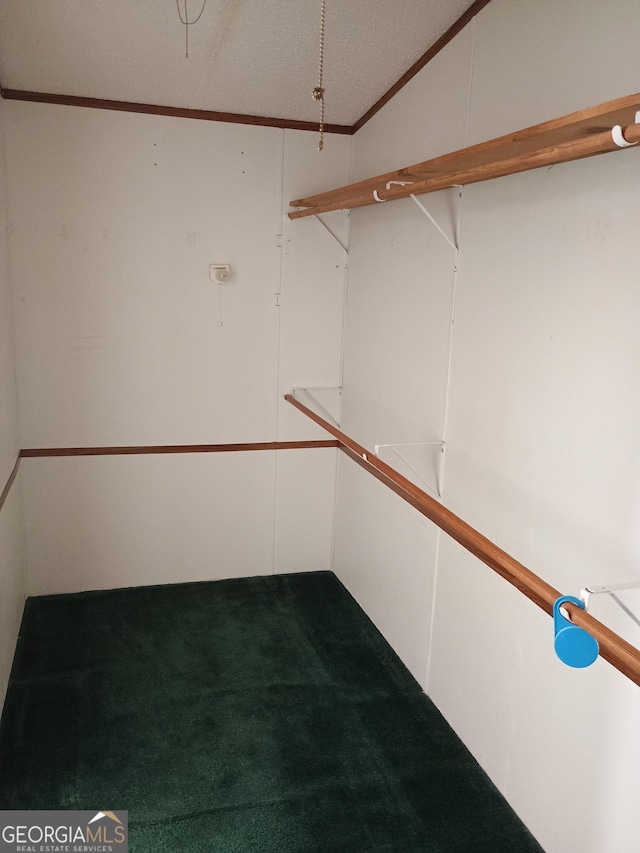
(445, 425)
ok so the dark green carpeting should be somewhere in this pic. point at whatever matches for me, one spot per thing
(261, 715)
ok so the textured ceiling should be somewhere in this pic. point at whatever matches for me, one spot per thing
(258, 57)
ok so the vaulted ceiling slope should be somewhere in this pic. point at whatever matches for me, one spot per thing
(253, 57)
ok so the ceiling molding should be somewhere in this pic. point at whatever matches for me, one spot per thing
(175, 112)
(241, 118)
(433, 51)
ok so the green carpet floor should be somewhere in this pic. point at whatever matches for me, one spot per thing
(261, 715)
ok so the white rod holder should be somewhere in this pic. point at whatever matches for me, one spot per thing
(390, 184)
(618, 136)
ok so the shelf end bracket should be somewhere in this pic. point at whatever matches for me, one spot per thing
(453, 243)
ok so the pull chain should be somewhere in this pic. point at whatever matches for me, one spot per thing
(187, 23)
(318, 92)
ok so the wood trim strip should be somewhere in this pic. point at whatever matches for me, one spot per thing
(149, 449)
(175, 112)
(10, 482)
(433, 51)
(613, 648)
(40, 452)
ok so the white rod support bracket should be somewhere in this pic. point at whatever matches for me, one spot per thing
(331, 234)
(611, 589)
(453, 243)
(588, 591)
(435, 490)
(335, 390)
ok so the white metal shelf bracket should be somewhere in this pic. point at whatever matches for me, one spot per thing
(453, 242)
(611, 589)
(331, 233)
(426, 478)
(330, 407)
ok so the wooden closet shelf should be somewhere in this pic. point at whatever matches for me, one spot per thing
(581, 134)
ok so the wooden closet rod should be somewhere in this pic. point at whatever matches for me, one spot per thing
(620, 654)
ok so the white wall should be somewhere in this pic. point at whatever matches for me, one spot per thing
(541, 411)
(124, 340)
(400, 299)
(12, 569)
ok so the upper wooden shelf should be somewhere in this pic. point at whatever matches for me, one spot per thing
(571, 137)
